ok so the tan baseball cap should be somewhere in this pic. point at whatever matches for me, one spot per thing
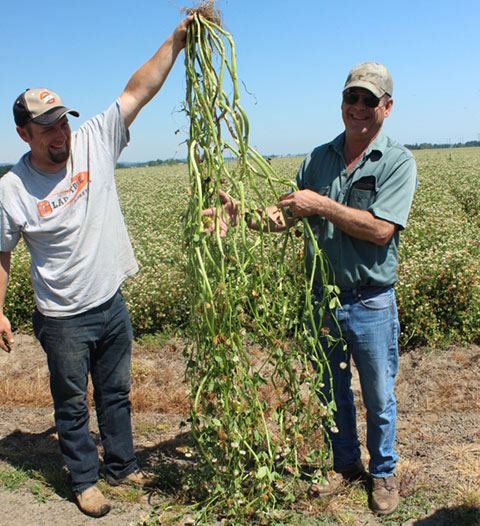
(372, 76)
(41, 106)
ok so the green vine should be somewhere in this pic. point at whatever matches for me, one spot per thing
(257, 419)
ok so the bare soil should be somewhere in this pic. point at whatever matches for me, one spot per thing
(438, 434)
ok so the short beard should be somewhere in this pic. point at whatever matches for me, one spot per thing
(60, 157)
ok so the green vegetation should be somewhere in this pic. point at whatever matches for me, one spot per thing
(438, 290)
(4, 168)
(12, 479)
(429, 145)
(247, 289)
(158, 162)
(439, 274)
(41, 483)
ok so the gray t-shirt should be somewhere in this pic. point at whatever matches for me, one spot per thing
(71, 220)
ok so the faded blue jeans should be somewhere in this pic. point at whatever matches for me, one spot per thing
(369, 324)
(97, 341)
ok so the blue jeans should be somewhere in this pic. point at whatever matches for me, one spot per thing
(97, 341)
(369, 325)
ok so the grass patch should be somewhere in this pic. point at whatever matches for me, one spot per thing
(41, 483)
(13, 478)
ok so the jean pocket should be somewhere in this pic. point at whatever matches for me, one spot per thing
(379, 302)
(37, 324)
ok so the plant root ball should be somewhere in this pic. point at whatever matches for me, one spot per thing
(207, 9)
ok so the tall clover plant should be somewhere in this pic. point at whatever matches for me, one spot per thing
(254, 368)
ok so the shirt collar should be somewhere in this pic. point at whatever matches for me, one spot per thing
(378, 144)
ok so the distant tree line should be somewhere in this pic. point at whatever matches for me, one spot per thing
(4, 168)
(428, 145)
(158, 162)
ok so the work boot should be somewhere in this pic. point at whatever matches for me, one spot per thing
(337, 477)
(137, 478)
(92, 502)
(384, 495)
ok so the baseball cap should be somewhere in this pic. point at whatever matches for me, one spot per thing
(372, 76)
(41, 106)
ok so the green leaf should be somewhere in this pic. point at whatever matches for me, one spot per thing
(262, 472)
(334, 302)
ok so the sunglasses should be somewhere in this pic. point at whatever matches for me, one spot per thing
(370, 101)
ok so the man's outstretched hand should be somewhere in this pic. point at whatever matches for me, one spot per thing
(226, 216)
(6, 340)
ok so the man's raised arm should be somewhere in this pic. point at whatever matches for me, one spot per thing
(149, 78)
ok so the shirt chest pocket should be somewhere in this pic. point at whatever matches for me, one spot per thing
(362, 194)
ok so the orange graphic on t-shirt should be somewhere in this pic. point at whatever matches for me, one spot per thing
(79, 182)
(44, 208)
(82, 180)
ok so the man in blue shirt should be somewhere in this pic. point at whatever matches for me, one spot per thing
(356, 192)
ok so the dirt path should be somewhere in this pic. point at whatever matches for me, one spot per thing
(438, 434)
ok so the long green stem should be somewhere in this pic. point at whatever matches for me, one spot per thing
(249, 295)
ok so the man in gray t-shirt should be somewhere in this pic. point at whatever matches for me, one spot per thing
(61, 198)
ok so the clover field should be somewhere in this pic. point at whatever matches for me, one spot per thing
(438, 291)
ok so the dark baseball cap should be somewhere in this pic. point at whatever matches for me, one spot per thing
(41, 106)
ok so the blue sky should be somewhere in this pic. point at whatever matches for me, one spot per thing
(293, 58)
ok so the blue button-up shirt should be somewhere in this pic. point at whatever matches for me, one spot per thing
(383, 182)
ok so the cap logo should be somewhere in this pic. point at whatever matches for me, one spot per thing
(47, 98)
(41, 106)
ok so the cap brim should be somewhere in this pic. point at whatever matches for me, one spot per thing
(366, 85)
(53, 115)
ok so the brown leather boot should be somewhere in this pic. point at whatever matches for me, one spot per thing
(337, 477)
(138, 478)
(92, 502)
(384, 495)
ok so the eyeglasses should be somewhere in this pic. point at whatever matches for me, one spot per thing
(352, 97)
